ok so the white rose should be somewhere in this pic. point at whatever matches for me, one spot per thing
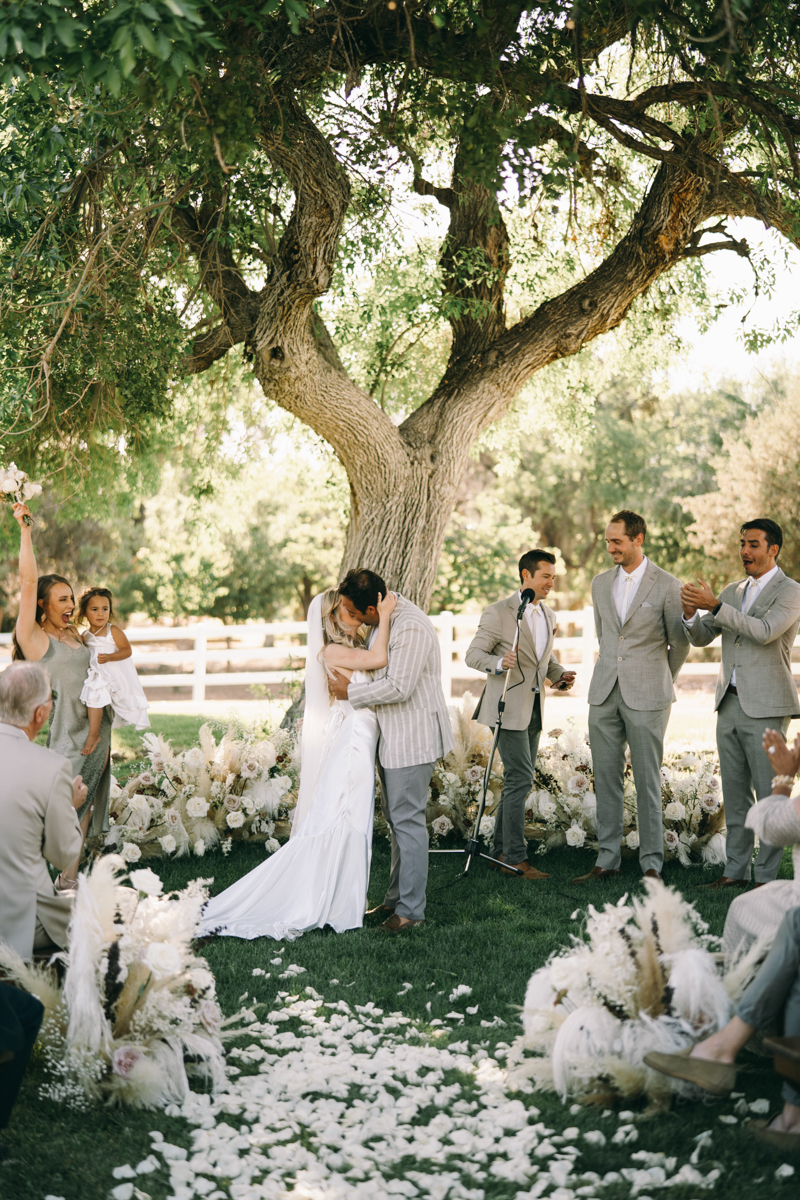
(196, 807)
(250, 768)
(271, 845)
(168, 844)
(575, 836)
(162, 958)
(473, 774)
(487, 827)
(671, 839)
(172, 818)
(265, 753)
(199, 847)
(675, 811)
(235, 820)
(578, 783)
(547, 806)
(232, 803)
(194, 758)
(688, 760)
(441, 825)
(147, 881)
(710, 802)
(114, 789)
(131, 852)
(210, 1016)
(9, 485)
(140, 804)
(147, 778)
(632, 840)
(589, 803)
(712, 782)
(666, 773)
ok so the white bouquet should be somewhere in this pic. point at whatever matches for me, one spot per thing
(17, 488)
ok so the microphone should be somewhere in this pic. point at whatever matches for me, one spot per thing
(528, 597)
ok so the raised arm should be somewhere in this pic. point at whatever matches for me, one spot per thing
(32, 639)
(702, 630)
(782, 615)
(359, 658)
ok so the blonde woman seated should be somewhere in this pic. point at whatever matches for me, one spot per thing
(320, 876)
(776, 821)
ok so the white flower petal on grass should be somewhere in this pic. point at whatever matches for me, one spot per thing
(759, 1107)
(784, 1171)
(728, 1119)
(124, 1172)
(463, 989)
(595, 1137)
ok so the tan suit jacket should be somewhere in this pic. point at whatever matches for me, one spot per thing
(647, 652)
(495, 636)
(758, 644)
(38, 822)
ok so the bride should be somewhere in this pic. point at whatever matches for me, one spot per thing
(320, 876)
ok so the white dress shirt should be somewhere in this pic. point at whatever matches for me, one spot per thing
(537, 623)
(626, 585)
(754, 586)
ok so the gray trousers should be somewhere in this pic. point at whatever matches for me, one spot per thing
(404, 793)
(744, 766)
(776, 990)
(612, 725)
(517, 749)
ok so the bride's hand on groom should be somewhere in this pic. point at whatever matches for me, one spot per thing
(339, 683)
(386, 605)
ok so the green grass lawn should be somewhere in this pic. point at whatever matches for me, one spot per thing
(487, 931)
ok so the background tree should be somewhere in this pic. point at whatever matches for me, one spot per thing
(181, 179)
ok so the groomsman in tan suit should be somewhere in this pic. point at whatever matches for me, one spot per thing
(758, 618)
(38, 798)
(643, 645)
(531, 664)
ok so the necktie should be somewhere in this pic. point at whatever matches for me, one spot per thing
(748, 595)
(626, 597)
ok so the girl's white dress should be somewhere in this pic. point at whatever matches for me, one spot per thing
(320, 876)
(114, 683)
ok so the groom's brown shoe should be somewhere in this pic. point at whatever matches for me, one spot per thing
(396, 923)
(596, 874)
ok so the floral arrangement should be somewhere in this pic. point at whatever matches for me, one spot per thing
(639, 978)
(207, 796)
(16, 487)
(562, 806)
(136, 1007)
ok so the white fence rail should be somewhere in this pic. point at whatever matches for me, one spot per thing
(273, 652)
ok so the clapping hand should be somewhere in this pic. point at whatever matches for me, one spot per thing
(785, 760)
(696, 596)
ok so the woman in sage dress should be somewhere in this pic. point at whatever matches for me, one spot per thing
(44, 633)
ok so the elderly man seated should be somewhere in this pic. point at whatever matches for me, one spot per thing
(38, 798)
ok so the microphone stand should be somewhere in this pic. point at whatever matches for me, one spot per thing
(472, 850)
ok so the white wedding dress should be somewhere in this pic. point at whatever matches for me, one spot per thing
(320, 876)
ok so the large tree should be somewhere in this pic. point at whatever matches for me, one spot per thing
(167, 162)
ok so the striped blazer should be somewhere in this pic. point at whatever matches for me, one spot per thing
(407, 693)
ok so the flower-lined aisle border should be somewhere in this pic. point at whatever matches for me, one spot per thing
(561, 810)
(352, 1103)
(136, 1009)
(207, 796)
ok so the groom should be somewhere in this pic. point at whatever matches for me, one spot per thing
(414, 733)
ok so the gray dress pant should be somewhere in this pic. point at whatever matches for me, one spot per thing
(612, 725)
(776, 989)
(404, 792)
(744, 766)
(518, 748)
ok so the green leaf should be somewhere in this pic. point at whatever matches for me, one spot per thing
(146, 38)
(113, 81)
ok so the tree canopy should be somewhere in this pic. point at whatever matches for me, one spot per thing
(179, 179)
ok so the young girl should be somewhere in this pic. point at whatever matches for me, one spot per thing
(111, 680)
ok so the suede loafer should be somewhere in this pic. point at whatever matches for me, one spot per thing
(715, 1077)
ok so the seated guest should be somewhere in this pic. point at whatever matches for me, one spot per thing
(20, 1019)
(776, 822)
(38, 798)
(774, 991)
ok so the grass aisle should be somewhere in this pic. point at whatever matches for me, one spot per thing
(489, 932)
